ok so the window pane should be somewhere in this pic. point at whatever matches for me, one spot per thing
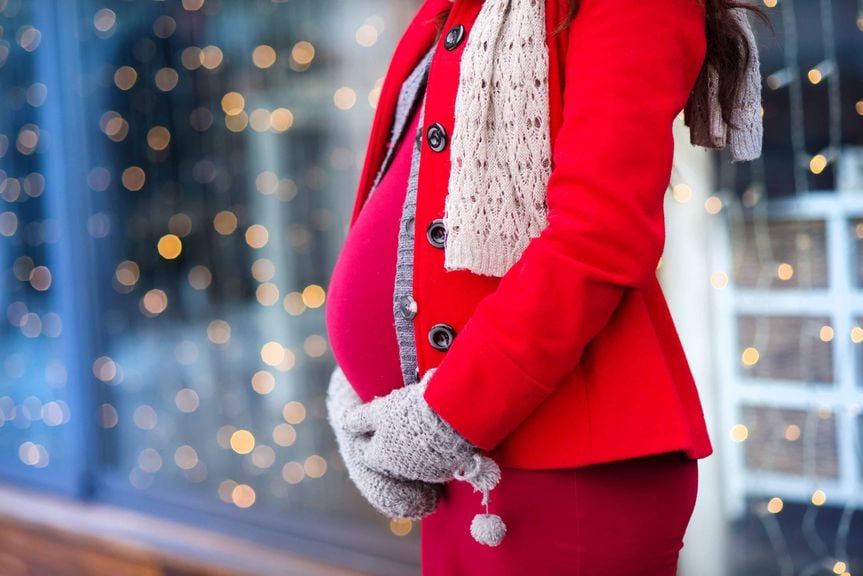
(786, 347)
(790, 441)
(779, 254)
(35, 409)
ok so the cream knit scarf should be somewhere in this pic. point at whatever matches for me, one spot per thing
(500, 146)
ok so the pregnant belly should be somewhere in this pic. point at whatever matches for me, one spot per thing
(359, 310)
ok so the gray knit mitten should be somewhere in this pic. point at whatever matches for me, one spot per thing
(393, 497)
(400, 434)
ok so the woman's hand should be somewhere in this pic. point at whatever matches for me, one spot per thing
(393, 497)
(399, 434)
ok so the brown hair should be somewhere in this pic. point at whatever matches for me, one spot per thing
(724, 39)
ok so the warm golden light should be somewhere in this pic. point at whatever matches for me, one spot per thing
(315, 466)
(281, 119)
(713, 205)
(784, 271)
(263, 270)
(263, 382)
(303, 53)
(233, 103)
(818, 163)
(125, 77)
(401, 526)
(294, 412)
(267, 294)
(225, 222)
(272, 353)
(739, 433)
(127, 273)
(154, 302)
(242, 441)
(814, 75)
(158, 138)
(819, 497)
(792, 432)
(681, 192)
(284, 434)
(211, 57)
(775, 505)
(133, 178)
(243, 496)
(170, 246)
(264, 56)
(313, 296)
(167, 79)
(257, 236)
(345, 98)
(293, 473)
(750, 356)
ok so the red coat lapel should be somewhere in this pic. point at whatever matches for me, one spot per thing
(415, 42)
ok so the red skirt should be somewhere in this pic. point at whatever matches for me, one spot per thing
(625, 518)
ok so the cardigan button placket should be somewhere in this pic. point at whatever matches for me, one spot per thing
(441, 336)
(436, 233)
(408, 306)
(436, 137)
(454, 37)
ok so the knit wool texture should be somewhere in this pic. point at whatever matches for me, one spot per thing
(501, 155)
(400, 434)
(706, 126)
(393, 497)
(501, 143)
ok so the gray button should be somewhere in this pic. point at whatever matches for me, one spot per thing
(441, 336)
(436, 137)
(408, 306)
(409, 224)
(436, 233)
(454, 37)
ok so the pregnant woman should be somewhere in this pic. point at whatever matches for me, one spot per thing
(495, 313)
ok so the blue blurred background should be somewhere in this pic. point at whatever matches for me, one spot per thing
(176, 179)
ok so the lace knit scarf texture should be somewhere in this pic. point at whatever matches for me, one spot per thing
(500, 146)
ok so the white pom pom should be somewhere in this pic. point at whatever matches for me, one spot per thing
(487, 529)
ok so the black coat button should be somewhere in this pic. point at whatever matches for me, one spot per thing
(436, 137)
(436, 233)
(408, 306)
(417, 373)
(441, 336)
(454, 37)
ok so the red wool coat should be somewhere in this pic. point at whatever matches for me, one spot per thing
(572, 357)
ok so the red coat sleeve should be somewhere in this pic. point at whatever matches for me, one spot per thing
(629, 69)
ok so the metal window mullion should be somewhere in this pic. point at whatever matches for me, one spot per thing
(839, 271)
(732, 460)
